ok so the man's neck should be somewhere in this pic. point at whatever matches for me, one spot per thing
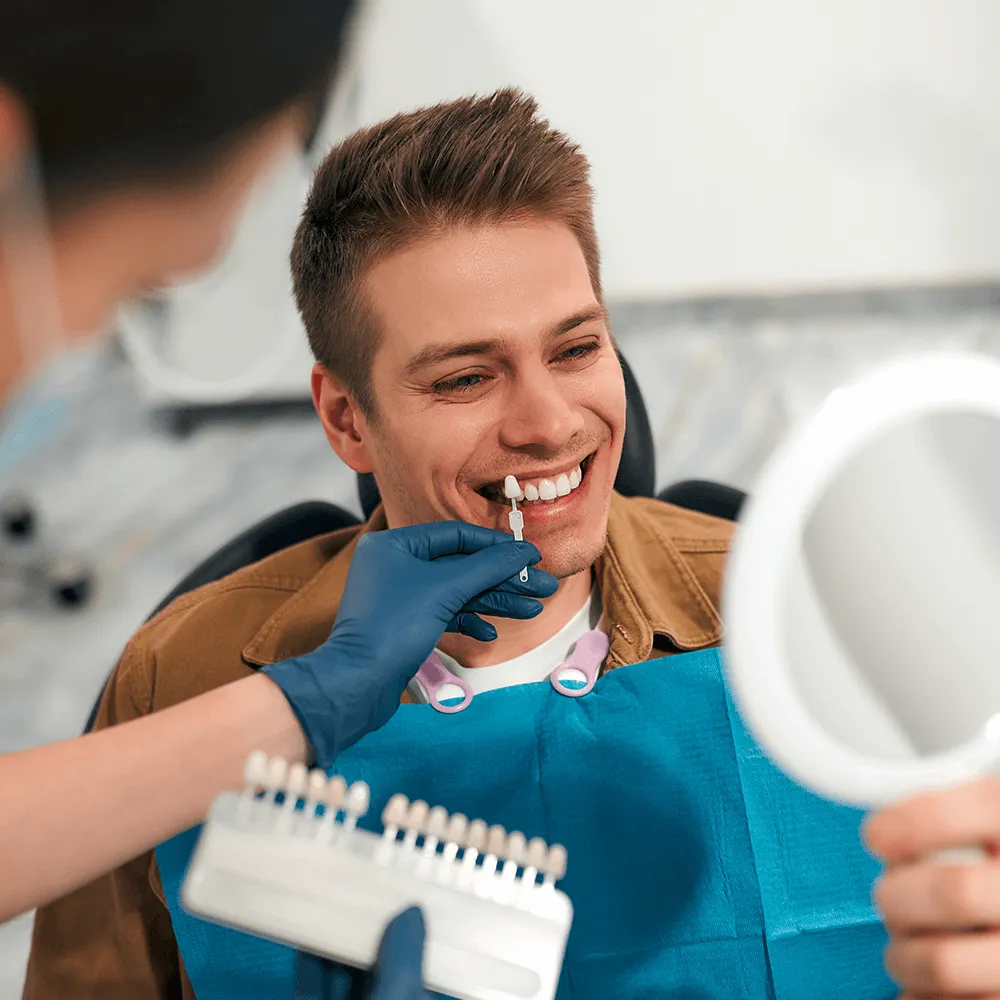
(514, 636)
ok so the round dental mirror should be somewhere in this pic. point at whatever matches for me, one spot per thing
(862, 599)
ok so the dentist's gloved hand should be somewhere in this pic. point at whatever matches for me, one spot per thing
(397, 975)
(405, 588)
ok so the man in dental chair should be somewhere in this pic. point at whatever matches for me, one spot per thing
(446, 268)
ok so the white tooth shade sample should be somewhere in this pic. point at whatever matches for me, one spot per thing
(511, 490)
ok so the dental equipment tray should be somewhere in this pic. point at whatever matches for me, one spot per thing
(284, 860)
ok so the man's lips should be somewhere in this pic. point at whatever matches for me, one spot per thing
(494, 491)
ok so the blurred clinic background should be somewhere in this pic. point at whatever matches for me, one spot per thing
(787, 191)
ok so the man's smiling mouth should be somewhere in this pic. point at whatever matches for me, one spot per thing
(543, 488)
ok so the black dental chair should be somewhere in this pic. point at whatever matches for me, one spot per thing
(636, 477)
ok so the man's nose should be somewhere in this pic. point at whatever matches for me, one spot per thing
(539, 415)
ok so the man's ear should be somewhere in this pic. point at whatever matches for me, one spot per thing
(344, 423)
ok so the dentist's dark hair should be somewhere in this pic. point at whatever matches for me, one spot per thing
(126, 93)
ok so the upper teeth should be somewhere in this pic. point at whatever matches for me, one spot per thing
(544, 489)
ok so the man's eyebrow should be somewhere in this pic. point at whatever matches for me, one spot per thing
(577, 319)
(436, 353)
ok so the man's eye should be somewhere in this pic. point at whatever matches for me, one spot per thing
(578, 351)
(462, 382)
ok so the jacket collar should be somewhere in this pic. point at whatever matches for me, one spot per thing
(304, 621)
(649, 590)
(647, 587)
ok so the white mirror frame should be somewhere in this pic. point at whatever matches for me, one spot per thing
(772, 527)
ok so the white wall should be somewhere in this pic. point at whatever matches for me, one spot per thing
(765, 146)
(737, 146)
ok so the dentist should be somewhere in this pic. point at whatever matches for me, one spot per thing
(130, 135)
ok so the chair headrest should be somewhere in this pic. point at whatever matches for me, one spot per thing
(706, 496)
(636, 471)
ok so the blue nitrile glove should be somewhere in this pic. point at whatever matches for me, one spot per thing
(398, 972)
(404, 589)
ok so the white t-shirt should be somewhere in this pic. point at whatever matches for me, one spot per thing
(535, 665)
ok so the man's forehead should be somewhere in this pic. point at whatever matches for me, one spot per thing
(499, 283)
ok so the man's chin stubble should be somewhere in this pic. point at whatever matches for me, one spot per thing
(563, 569)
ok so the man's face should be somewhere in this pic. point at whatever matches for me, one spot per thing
(495, 359)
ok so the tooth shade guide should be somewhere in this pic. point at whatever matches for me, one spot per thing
(394, 816)
(274, 778)
(333, 802)
(254, 778)
(495, 842)
(555, 865)
(246, 873)
(454, 838)
(295, 785)
(356, 803)
(416, 817)
(315, 791)
(516, 520)
(534, 858)
(514, 852)
(358, 799)
(336, 792)
(294, 789)
(434, 829)
(255, 771)
(475, 842)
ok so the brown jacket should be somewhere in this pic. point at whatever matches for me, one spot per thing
(659, 577)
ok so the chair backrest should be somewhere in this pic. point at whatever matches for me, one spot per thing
(707, 497)
(282, 530)
(636, 471)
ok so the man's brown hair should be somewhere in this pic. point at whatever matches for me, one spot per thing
(466, 162)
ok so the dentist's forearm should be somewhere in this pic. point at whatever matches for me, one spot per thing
(77, 809)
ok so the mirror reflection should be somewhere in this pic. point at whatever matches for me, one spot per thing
(885, 634)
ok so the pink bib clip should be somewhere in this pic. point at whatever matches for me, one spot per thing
(434, 676)
(588, 655)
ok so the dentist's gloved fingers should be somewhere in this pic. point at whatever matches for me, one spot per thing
(404, 588)
(400, 964)
(320, 979)
(466, 623)
(540, 584)
(504, 605)
(481, 571)
(448, 538)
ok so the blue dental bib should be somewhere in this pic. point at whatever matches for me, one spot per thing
(697, 871)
